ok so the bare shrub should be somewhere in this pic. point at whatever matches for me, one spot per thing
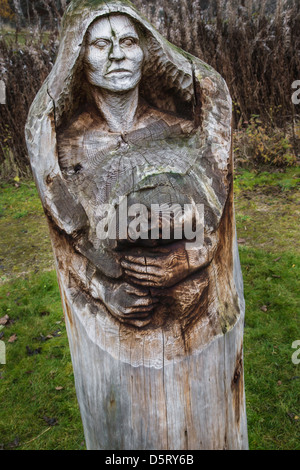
(258, 145)
(23, 69)
(253, 44)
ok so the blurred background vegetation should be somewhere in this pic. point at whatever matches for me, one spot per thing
(253, 44)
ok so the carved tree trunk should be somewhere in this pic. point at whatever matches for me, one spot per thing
(141, 396)
(197, 403)
(155, 323)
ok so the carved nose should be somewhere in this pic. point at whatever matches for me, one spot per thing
(116, 52)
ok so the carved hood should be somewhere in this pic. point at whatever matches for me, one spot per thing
(173, 80)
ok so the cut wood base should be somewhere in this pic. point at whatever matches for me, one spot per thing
(197, 403)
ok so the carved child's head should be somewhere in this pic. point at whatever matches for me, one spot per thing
(113, 57)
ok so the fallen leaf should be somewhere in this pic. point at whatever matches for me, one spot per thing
(277, 259)
(279, 382)
(241, 240)
(264, 308)
(4, 320)
(13, 338)
(59, 388)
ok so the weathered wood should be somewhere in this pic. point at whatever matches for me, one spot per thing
(155, 325)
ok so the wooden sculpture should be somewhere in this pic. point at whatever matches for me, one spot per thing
(155, 323)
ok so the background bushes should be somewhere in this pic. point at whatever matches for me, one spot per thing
(24, 69)
(254, 45)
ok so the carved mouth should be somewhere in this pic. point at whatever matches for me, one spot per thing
(119, 71)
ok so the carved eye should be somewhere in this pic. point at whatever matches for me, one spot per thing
(101, 43)
(128, 42)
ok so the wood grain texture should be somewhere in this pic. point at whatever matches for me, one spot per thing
(197, 403)
(155, 327)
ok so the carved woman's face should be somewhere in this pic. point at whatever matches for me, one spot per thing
(114, 57)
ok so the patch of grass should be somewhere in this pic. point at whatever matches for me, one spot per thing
(247, 180)
(24, 242)
(271, 379)
(38, 401)
(267, 209)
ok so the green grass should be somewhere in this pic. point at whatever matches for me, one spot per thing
(267, 209)
(267, 214)
(24, 36)
(272, 380)
(35, 368)
(281, 180)
(24, 241)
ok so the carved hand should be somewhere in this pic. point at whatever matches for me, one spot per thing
(130, 303)
(166, 268)
(159, 269)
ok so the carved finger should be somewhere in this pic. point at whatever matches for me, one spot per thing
(146, 261)
(131, 290)
(154, 261)
(145, 277)
(141, 269)
(136, 259)
(138, 310)
(144, 283)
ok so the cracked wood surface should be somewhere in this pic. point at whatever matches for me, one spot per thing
(155, 329)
